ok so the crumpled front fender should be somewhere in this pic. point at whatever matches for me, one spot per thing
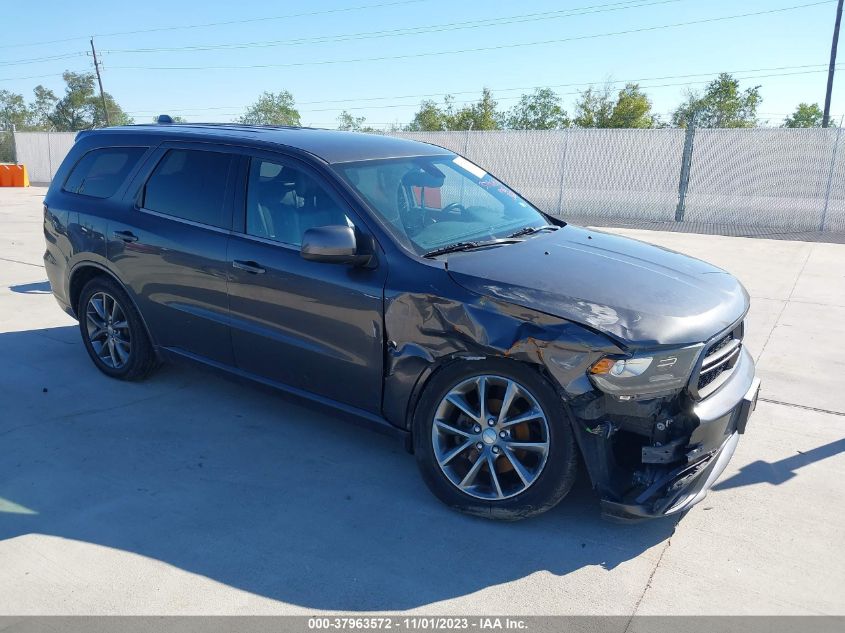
(424, 331)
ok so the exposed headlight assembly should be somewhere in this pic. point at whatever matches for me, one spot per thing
(650, 373)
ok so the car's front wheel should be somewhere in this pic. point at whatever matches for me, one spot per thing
(112, 331)
(491, 438)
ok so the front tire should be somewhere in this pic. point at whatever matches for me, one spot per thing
(492, 439)
(112, 331)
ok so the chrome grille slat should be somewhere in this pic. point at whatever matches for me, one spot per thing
(718, 362)
(729, 350)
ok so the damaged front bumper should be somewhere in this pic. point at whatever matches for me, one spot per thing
(722, 418)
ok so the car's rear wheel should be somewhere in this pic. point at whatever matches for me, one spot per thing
(112, 331)
(491, 438)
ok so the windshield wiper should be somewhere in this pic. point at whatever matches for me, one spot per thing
(465, 246)
(530, 230)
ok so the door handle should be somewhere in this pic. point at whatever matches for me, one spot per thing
(125, 236)
(250, 267)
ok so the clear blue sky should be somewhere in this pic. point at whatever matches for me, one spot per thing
(378, 89)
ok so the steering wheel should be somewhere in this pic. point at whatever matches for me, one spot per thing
(452, 208)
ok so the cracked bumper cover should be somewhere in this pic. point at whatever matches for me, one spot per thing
(723, 417)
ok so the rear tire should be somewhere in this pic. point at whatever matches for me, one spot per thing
(483, 460)
(112, 331)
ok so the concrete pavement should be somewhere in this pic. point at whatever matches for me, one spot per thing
(193, 494)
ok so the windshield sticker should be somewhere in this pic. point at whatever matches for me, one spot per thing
(495, 184)
(475, 170)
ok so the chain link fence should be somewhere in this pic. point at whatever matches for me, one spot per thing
(7, 147)
(738, 181)
(42, 153)
(762, 181)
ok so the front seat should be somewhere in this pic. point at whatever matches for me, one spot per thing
(318, 208)
(276, 210)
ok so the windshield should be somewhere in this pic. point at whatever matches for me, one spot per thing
(432, 202)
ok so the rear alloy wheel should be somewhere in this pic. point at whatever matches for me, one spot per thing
(112, 331)
(108, 330)
(494, 441)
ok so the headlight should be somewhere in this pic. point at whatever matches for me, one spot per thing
(651, 373)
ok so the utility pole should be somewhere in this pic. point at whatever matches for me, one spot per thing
(826, 119)
(103, 94)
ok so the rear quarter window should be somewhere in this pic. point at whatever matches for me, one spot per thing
(100, 172)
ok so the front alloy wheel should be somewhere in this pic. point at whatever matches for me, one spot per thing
(490, 437)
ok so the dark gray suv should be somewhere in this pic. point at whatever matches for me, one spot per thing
(403, 284)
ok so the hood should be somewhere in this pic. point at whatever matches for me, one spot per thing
(639, 294)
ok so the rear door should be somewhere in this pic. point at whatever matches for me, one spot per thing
(170, 249)
(313, 326)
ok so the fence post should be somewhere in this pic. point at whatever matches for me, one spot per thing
(14, 145)
(562, 171)
(830, 177)
(49, 157)
(686, 164)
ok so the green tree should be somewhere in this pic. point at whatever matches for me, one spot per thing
(599, 108)
(594, 107)
(432, 117)
(273, 109)
(540, 110)
(81, 107)
(75, 110)
(349, 123)
(14, 113)
(632, 109)
(481, 115)
(722, 105)
(43, 104)
(805, 115)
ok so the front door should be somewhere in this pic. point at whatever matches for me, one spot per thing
(312, 326)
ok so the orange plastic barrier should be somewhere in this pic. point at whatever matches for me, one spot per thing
(14, 176)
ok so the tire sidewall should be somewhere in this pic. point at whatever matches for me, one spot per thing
(558, 474)
(138, 355)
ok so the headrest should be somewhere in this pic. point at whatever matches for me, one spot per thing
(305, 186)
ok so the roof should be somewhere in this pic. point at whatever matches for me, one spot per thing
(333, 146)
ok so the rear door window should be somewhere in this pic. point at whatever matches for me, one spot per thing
(100, 172)
(191, 185)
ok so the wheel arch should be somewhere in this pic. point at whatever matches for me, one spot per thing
(83, 272)
(441, 364)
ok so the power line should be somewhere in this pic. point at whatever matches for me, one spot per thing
(36, 60)
(225, 23)
(818, 67)
(36, 76)
(484, 48)
(417, 30)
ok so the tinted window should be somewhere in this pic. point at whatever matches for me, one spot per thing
(190, 184)
(283, 202)
(432, 202)
(100, 172)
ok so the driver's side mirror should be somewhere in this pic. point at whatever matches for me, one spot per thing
(335, 244)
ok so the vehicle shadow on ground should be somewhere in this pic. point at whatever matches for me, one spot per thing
(256, 491)
(783, 470)
(35, 288)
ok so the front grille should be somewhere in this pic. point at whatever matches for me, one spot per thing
(719, 360)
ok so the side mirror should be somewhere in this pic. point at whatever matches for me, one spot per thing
(334, 244)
